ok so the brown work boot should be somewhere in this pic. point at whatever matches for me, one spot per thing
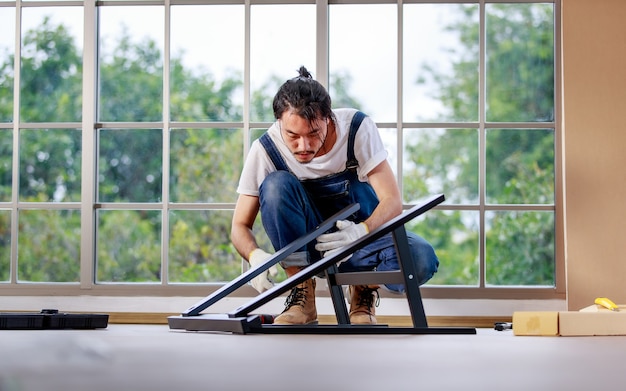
(300, 305)
(363, 303)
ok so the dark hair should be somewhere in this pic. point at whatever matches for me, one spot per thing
(305, 96)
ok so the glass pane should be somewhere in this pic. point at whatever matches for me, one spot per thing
(256, 133)
(205, 164)
(49, 246)
(207, 67)
(6, 164)
(50, 161)
(200, 249)
(520, 166)
(5, 245)
(7, 51)
(390, 141)
(520, 62)
(51, 78)
(363, 58)
(441, 161)
(131, 63)
(454, 235)
(520, 248)
(130, 167)
(129, 246)
(282, 38)
(440, 62)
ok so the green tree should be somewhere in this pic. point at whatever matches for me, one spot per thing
(50, 91)
(51, 75)
(520, 162)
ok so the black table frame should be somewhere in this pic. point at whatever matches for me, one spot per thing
(242, 320)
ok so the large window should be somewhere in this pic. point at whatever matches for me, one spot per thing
(124, 126)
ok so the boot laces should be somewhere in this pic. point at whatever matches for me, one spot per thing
(296, 297)
(366, 298)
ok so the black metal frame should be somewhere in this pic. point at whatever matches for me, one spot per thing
(242, 321)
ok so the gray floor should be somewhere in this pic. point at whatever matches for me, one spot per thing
(153, 357)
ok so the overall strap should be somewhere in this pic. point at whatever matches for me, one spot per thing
(273, 153)
(352, 163)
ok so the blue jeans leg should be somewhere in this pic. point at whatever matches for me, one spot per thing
(288, 213)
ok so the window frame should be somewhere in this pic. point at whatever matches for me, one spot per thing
(89, 125)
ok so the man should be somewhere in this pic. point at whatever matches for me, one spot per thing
(306, 167)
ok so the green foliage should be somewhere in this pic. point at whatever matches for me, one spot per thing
(6, 164)
(6, 89)
(520, 42)
(454, 235)
(520, 249)
(5, 244)
(197, 156)
(128, 245)
(205, 163)
(50, 165)
(49, 246)
(205, 254)
(51, 75)
(519, 162)
(130, 168)
(131, 82)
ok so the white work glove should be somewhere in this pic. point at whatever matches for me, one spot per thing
(348, 232)
(262, 282)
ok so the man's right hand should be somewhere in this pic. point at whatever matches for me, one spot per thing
(262, 282)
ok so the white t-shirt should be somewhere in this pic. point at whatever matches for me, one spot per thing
(368, 150)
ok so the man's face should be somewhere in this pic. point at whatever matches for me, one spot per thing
(303, 138)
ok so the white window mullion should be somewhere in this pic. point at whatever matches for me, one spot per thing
(165, 190)
(16, 140)
(246, 81)
(322, 43)
(399, 112)
(89, 147)
(482, 137)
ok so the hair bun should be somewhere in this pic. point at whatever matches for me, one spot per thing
(304, 73)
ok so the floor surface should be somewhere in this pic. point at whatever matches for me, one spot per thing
(153, 357)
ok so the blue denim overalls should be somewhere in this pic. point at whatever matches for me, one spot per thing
(290, 208)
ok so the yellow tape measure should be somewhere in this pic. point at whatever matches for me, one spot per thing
(606, 303)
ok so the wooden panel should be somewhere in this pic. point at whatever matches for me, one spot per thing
(594, 86)
(435, 321)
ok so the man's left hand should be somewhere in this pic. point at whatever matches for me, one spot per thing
(348, 232)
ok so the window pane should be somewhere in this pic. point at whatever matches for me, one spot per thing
(520, 248)
(454, 235)
(441, 161)
(50, 162)
(256, 133)
(390, 142)
(282, 38)
(131, 63)
(207, 67)
(440, 62)
(7, 51)
(49, 246)
(5, 245)
(205, 164)
(129, 246)
(363, 58)
(520, 62)
(6, 164)
(520, 166)
(200, 249)
(130, 165)
(51, 69)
